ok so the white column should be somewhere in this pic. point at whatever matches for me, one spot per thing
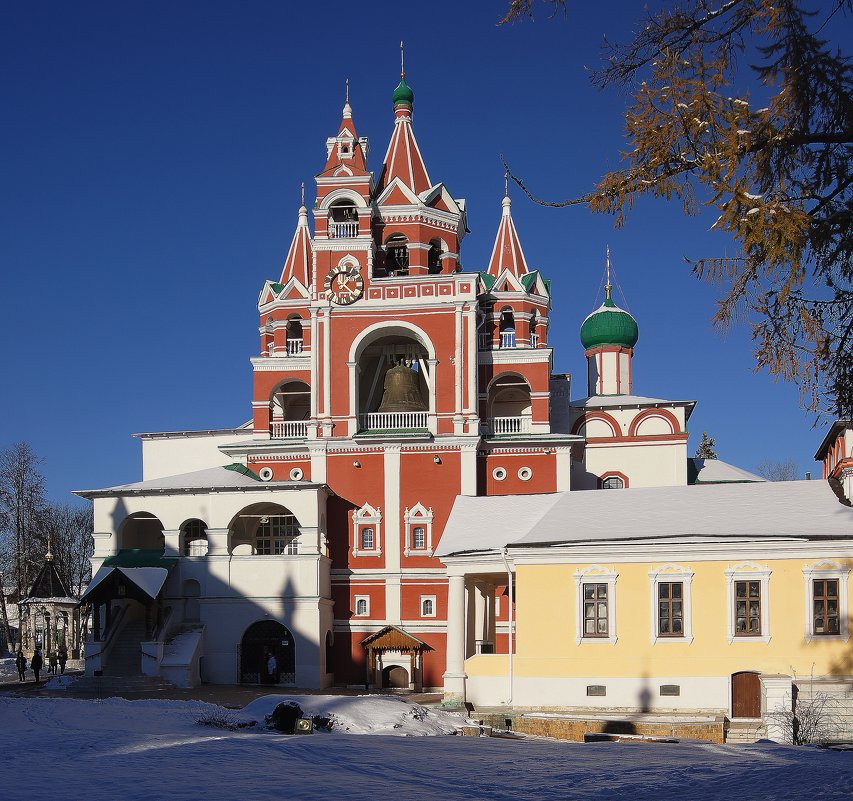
(315, 355)
(391, 525)
(217, 542)
(563, 460)
(454, 676)
(327, 365)
(172, 541)
(458, 365)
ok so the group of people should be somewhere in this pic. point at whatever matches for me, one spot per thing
(55, 663)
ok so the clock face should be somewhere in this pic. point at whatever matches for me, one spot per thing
(344, 285)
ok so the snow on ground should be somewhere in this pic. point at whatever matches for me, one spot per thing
(153, 749)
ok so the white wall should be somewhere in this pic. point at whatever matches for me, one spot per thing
(171, 455)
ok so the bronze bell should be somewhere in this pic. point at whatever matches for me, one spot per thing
(401, 393)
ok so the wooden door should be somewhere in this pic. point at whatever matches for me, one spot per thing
(746, 695)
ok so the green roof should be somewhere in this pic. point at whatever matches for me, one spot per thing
(140, 557)
(243, 470)
(276, 287)
(403, 93)
(488, 280)
(609, 325)
(528, 281)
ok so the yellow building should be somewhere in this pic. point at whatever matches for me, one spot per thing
(726, 599)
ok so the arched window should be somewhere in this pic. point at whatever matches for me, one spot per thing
(276, 535)
(613, 482)
(397, 255)
(427, 606)
(294, 336)
(534, 335)
(194, 536)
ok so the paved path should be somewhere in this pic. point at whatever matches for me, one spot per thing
(233, 696)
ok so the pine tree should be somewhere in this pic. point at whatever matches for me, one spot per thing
(707, 447)
(777, 168)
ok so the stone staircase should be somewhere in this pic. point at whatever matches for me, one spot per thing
(745, 732)
(125, 657)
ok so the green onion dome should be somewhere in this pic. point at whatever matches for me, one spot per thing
(403, 93)
(609, 325)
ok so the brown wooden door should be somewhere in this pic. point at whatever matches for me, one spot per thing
(746, 695)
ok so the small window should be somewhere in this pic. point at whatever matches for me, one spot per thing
(747, 609)
(418, 538)
(367, 541)
(595, 610)
(362, 605)
(825, 607)
(427, 606)
(613, 482)
(670, 609)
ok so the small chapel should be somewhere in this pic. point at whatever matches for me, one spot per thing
(416, 502)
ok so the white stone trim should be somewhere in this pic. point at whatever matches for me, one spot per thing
(668, 573)
(418, 515)
(355, 602)
(598, 574)
(827, 569)
(367, 517)
(428, 598)
(748, 571)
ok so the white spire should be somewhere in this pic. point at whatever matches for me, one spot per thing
(347, 107)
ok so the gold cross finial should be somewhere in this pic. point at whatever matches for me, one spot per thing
(347, 90)
(608, 287)
(303, 193)
(402, 63)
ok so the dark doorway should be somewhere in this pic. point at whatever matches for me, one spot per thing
(395, 677)
(261, 639)
(746, 695)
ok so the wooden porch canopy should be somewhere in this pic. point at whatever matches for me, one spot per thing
(392, 638)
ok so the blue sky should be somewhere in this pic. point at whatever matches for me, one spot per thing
(152, 157)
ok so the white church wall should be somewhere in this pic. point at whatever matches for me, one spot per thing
(660, 464)
(171, 455)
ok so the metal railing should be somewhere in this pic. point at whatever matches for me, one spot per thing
(510, 425)
(393, 420)
(289, 429)
(343, 230)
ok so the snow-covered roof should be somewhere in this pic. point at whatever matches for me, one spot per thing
(611, 401)
(716, 471)
(212, 478)
(246, 428)
(762, 510)
(149, 579)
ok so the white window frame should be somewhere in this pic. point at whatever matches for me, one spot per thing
(430, 598)
(418, 515)
(367, 517)
(596, 574)
(748, 571)
(667, 574)
(355, 601)
(827, 569)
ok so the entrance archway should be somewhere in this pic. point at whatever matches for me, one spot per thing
(261, 639)
(395, 677)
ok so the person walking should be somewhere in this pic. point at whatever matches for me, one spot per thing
(272, 669)
(36, 664)
(52, 662)
(21, 664)
(63, 658)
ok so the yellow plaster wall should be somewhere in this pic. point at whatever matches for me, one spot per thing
(547, 613)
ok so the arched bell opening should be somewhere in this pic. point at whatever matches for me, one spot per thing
(343, 219)
(393, 383)
(295, 337)
(510, 407)
(507, 327)
(434, 256)
(141, 530)
(290, 410)
(396, 260)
